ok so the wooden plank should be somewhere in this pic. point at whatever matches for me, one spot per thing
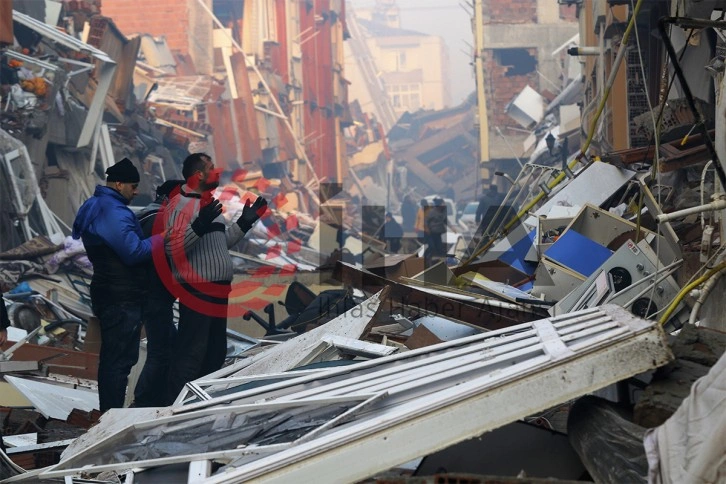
(421, 337)
(58, 360)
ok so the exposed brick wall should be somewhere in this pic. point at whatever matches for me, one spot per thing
(168, 18)
(510, 11)
(501, 89)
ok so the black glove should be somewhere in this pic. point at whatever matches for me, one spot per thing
(252, 213)
(207, 214)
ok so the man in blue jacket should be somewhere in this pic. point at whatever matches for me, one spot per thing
(117, 249)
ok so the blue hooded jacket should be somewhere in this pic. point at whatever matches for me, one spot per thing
(115, 244)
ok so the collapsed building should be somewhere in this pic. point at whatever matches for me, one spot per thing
(602, 264)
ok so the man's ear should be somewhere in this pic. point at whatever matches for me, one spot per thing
(194, 180)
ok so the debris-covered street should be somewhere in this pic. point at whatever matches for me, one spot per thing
(288, 241)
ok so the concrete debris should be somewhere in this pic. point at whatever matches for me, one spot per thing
(422, 276)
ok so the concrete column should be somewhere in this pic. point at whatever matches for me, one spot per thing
(200, 37)
(548, 12)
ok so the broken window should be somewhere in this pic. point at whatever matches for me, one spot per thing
(211, 431)
(518, 61)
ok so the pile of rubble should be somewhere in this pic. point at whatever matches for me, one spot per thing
(567, 289)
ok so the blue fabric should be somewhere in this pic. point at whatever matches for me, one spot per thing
(105, 219)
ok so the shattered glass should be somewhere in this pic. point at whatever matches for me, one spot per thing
(210, 433)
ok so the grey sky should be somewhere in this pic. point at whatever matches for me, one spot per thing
(449, 20)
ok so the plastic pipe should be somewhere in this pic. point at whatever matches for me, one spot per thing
(583, 51)
(704, 292)
(709, 207)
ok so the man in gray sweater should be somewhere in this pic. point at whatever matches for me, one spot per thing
(201, 269)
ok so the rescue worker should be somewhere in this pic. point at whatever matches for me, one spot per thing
(488, 203)
(408, 213)
(420, 224)
(436, 228)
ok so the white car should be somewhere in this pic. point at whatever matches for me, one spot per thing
(468, 216)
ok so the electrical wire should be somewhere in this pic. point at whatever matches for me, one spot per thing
(689, 286)
(679, 297)
(705, 292)
(711, 259)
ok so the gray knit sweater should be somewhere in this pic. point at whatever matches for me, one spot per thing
(193, 258)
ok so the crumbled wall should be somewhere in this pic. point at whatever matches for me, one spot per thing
(501, 88)
(511, 11)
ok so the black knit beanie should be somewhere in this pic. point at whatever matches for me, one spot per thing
(124, 171)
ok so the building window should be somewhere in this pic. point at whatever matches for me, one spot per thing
(406, 97)
(401, 60)
(415, 102)
(518, 61)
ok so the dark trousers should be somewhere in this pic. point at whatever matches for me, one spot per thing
(434, 246)
(201, 341)
(158, 317)
(120, 335)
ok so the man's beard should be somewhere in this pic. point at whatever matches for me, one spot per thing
(209, 185)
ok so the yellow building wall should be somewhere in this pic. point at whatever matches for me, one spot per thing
(416, 64)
